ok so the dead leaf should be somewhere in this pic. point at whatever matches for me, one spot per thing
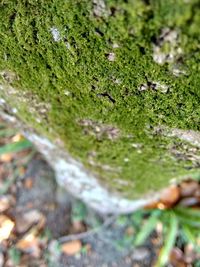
(6, 227)
(72, 247)
(26, 220)
(170, 195)
(6, 157)
(5, 202)
(30, 244)
(177, 258)
(17, 138)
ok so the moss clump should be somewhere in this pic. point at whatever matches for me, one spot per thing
(88, 60)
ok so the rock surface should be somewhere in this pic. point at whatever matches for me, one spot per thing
(107, 91)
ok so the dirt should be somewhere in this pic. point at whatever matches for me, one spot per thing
(36, 190)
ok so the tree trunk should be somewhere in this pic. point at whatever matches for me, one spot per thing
(107, 90)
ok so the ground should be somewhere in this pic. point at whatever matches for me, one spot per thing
(38, 206)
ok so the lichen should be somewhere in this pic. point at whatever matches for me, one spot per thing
(87, 60)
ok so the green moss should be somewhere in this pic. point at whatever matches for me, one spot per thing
(75, 76)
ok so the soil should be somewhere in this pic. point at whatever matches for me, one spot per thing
(37, 190)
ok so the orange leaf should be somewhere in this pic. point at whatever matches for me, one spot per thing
(72, 247)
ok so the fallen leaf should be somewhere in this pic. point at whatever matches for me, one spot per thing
(6, 157)
(170, 195)
(72, 247)
(6, 227)
(5, 202)
(177, 258)
(30, 244)
(26, 220)
(17, 138)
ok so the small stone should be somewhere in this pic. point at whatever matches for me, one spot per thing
(115, 45)
(67, 93)
(111, 56)
(140, 254)
(143, 87)
(56, 34)
(163, 88)
(99, 8)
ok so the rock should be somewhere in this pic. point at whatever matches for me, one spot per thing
(67, 70)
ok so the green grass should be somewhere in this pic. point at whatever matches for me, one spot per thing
(15, 147)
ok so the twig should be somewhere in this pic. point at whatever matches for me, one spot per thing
(93, 231)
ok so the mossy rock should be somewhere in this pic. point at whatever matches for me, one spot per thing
(115, 83)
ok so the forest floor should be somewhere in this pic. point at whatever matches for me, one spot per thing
(41, 225)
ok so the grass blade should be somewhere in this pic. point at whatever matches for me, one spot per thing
(188, 212)
(7, 132)
(15, 147)
(147, 228)
(169, 243)
(191, 237)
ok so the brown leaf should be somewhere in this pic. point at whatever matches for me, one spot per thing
(6, 227)
(72, 247)
(177, 258)
(5, 202)
(26, 220)
(6, 157)
(170, 195)
(30, 244)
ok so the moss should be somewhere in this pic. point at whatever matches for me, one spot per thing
(74, 75)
